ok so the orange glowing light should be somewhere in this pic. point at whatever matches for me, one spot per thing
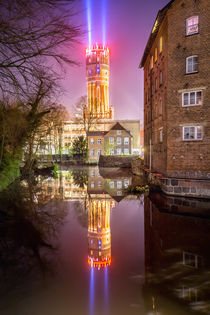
(99, 263)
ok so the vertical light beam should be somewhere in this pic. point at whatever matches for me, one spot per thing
(103, 14)
(92, 293)
(89, 24)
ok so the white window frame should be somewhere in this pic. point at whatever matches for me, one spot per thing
(119, 132)
(161, 135)
(92, 173)
(111, 184)
(119, 140)
(187, 64)
(195, 26)
(100, 184)
(119, 151)
(119, 184)
(92, 184)
(196, 138)
(99, 152)
(126, 183)
(111, 140)
(196, 98)
(111, 151)
(119, 193)
(99, 141)
(92, 153)
(126, 151)
(125, 140)
(91, 140)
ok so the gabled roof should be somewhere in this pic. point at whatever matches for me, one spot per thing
(118, 126)
(160, 16)
(96, 133)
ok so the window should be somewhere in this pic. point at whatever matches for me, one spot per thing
(119, 193)
(111, 140)
(111, 184)
(90, 71)
(161, 78)
(99, 152)
(111, 151)
(192, 98)
(99, 140)
(126, 151)
(192, 25)
(151, 62)
(119, 184)
(192, 260)
(92, 173)
(155, 54)
(161, 135)
(161, 106)
(91, 141)
(119, 132)
(98, 71)
(92, 152)
(99, 184)
(126, 183)
(118, 151)
(92, 184)
(192, 133)
(119, 140)
(126, 140)
(161, 44)
(192, 64)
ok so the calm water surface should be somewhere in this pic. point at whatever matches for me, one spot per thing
(79, 244)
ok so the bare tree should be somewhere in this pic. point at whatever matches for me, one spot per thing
(34, 34)
(82, 116)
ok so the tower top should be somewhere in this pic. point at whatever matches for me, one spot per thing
(97, 48)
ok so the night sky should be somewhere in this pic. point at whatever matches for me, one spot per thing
(127, 24)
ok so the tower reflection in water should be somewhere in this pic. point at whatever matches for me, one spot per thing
(99, 232)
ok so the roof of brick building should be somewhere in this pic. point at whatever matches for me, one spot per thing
(160, 16)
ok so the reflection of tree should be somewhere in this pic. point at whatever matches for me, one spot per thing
(27, 230)
(81, 213)
(80, 177)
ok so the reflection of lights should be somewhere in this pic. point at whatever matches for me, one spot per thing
(91, 291)
(99, 263)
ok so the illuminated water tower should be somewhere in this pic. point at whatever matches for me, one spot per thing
(97, 74)
(99, 232)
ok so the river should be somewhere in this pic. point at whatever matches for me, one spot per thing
(80, 244)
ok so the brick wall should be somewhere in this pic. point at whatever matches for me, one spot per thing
(175, 157)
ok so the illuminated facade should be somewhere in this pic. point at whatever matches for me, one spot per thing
(99, 232)
(97, 74)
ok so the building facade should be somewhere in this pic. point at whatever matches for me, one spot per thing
(95, 144)
(117, 141)
(176, 91)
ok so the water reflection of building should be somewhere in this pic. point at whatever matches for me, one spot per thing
(177, 257)
(63, 187)
(99, 232)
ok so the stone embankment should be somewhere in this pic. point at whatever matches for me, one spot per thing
(136, 166)
(179, 186)
(116, 160)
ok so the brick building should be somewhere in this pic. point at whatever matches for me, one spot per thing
(176, 91)
(117, 140)
(95, 144)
